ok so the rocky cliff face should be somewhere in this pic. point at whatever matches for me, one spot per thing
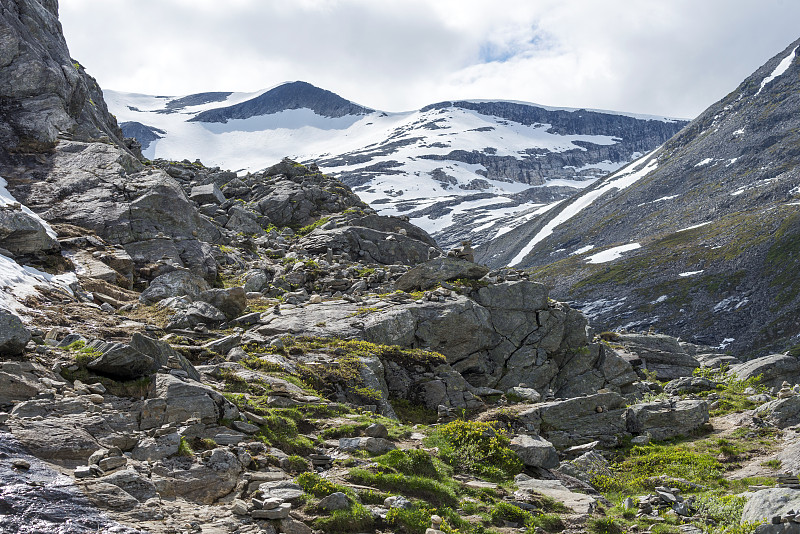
(699, 235)
(44, 92)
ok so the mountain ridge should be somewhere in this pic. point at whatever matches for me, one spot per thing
(443, 166)
(714, 214)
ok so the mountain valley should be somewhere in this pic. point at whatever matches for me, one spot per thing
(200, 335)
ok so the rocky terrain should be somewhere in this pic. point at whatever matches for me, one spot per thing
(185, 349)
(697, 239)
(460, 170)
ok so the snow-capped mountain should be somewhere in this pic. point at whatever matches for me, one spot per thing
(700, 238)
(460, 170)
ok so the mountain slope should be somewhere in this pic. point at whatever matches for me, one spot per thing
(461, 170)
(700, 238)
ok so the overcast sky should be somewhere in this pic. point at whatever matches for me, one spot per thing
(660, 57)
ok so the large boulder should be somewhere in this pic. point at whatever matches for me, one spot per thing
(664, 420)
(507, 335)
(175, 401)
(774, 369)
(198, 482)
(19, 381)
(435, 271)
(782, 413)
(231, 301)
(658, 353)
(13, 334)
(21, 232)
(765, 504)
(120, 361)
(178, 283)
(535, 451)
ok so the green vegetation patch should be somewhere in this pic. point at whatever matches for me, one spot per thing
(477, 448)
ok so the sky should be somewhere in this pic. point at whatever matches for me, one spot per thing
(658, 57)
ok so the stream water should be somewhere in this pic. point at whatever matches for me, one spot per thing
(40, 500)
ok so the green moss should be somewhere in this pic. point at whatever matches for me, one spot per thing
(434, 491)
(414, 462)
(355, 519)
(311, 227)
(185, 449)
(315, 485)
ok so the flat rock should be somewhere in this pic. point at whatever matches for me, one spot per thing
(577, 502)
(763, 505)
(444, 269)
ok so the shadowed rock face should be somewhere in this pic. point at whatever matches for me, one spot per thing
(45, 93)
(715, 214)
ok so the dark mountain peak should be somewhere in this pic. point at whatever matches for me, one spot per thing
(291, 95)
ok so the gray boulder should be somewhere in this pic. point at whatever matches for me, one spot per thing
(133, 483)
(178, 283)
(658, 353)
(19, 381)
(782, 413)
(689, 384)
(230, 301)
(433, 272)
(204, 483)
(774, 369)
(176, 401)
(335, 501)
(207, 194)
(13, 334)
(120, 361)
(664, 420)
(21, 233)
(765, 504)
(535, 451)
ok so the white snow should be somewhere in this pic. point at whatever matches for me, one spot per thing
(623, 178)
(694, 226)
(7, 200)
(739, 132)
(612, 253)
(731, 162)
(397, 139)
(690, 273)
(725, 342)
(659, 300)
(705, 162)
(18, 282)
(780, 69)
(581, 250)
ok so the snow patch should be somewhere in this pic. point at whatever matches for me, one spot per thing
(620, 180)
(581, 250)
(659, 300)
(612, 253)
(690, 273)
(780, 69)
(705, 162)
(725, 343)
(20, 281)
(694, 226)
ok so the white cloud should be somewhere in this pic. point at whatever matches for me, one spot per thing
(672, 58)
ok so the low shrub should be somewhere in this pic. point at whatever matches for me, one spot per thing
(476, 447)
